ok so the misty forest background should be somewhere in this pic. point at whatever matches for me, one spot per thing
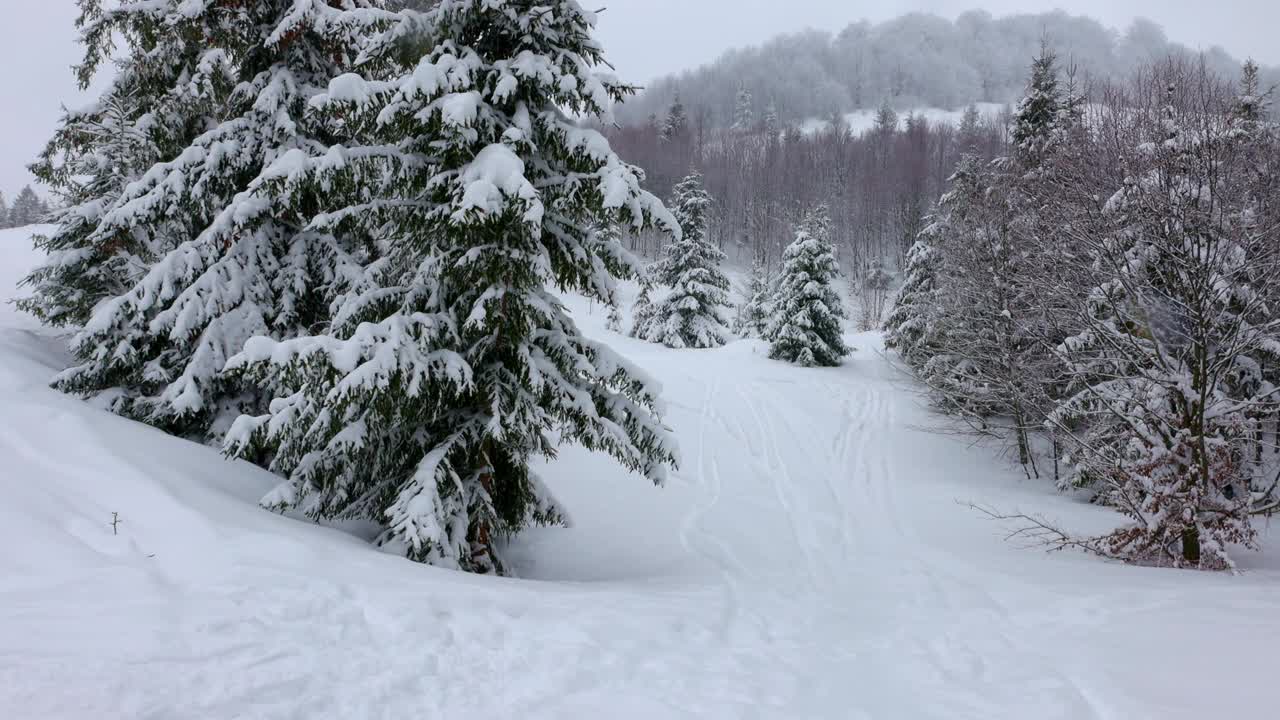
(769, 126)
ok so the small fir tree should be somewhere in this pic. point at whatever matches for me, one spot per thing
(807, 313)
(912, 328)
(690, 316)
(643, 311)
(613, 321)
(1039, 112)
(27, 209)
(770, 122)
(754, 314)
(969, 134)
(744, 114)
(886, 122)
(676, 124)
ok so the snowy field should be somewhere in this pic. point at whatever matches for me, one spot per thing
(863, 121)
(809, 560)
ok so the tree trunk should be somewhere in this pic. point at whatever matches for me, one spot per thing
(1191, 546)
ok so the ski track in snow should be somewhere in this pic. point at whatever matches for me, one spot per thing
(809, 560)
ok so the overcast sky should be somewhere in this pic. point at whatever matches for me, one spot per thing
(643, 38)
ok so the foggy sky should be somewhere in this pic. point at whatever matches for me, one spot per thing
(694, 32)
(642, 38)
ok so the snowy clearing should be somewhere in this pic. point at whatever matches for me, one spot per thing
(863, 121)
(808, 560)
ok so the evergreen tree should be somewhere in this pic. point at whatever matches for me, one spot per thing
(423, 405)
(969, 134)
(744, 114)
(1039, 112)
(754, 314)
(250, 261)
(816, 221)
(690, 315)
(676, 125)
(27, 209)
(886, 119)
(643, 311)
(963, 365)
(613, 321)
(4, 212)
(1250, 111)
(163, 94)
(807, 313)
(912, 328)
(770, 122)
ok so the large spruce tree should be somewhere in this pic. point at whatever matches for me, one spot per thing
(246, 259)
(167, 88)
(423, 405)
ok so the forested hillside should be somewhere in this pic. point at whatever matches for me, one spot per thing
(916, 60)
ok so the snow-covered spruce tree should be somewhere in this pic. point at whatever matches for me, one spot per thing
(676, 124)
(4, 212)
(912, 327)
(610, 235)
(27, 208)
(886, 122)
(165, 91)
(1039, 110)
(744, 113)
(248, 263)
(690, 316)
(974, 356)
(754, 314)
(807, 312)
(613, 320)
(424, 404)
(643, 311)
(1175, 331)
(769, 121)
(969, 132)
(817, 222)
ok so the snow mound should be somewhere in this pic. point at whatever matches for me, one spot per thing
(807, 561)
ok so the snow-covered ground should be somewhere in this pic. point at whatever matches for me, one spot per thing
(809, 560)
(861, 121)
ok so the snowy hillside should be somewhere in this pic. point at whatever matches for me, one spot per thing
(808, 560)
(861, 121)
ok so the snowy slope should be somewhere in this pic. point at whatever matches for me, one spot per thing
(862, 121)
(809, 560)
